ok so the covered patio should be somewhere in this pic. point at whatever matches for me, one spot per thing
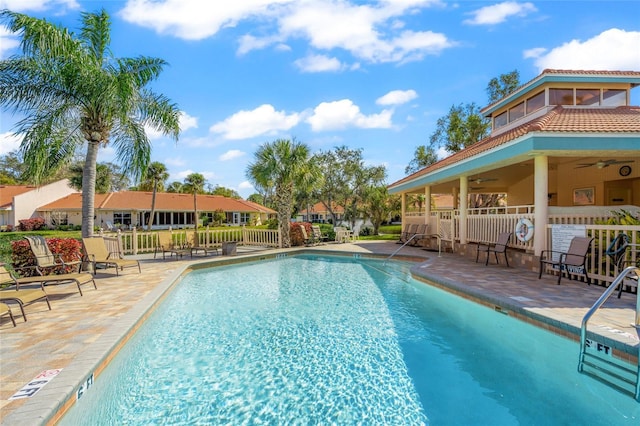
(562, 163)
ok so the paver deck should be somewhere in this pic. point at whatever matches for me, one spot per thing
(79, 332)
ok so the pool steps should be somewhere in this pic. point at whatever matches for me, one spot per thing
(596, 359)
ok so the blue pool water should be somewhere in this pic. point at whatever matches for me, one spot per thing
(330, 340)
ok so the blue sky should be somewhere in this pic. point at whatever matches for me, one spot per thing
(371, 75)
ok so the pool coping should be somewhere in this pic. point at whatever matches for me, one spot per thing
(50, 404)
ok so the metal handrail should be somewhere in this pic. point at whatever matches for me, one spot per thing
(610, 290)
(420, 236)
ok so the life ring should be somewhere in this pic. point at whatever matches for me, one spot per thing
(524, 230)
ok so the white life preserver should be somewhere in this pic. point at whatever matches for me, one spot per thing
(524, 230)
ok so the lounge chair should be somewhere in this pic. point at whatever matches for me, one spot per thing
(195, 247)
(166, 245)
(307, 240)
(6, 310)
(409, 231)
(499, 246)
(48, 265)
(419, 235)
(575, 257)
(21, 297)
(318, 236)
(96, 252)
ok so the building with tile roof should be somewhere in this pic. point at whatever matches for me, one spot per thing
(19, 202)
(319, 213)
(125, 209)
(565, 141)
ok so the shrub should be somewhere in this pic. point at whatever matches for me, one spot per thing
(35, 224)
(69, 249)
(272, 223)
(297, 239)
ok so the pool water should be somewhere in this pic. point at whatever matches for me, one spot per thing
(334, 340)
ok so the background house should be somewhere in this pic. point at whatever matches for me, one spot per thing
(19, 202)
(127, 209)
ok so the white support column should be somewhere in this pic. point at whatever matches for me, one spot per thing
(464, 205)
(427, 204)
(403, 208)
(541, 202)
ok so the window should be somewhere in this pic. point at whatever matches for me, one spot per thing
(560, 96)
(516, 112)
(500, 120)
(587, 96)
(535, 102)
(614, 97)
(178, 218)
(122, 218)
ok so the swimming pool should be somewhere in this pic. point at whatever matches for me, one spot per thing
(308, 340)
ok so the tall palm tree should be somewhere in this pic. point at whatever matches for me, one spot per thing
(155, 177)
(194, 183)
(283, 165)
(72, 91)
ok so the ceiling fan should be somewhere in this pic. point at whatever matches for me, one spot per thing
(479, 180)
(601, 164)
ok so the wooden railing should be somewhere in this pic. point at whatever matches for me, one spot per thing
(136, 242)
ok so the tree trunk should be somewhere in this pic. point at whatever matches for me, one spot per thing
(284, 197)
(89, 189)
(153, 206)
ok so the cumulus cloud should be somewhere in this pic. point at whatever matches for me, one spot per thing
(536, 52)
(343, 114)
(25, 5)
(260, 121)
(498, 13)
(245, 185)
(397, 97)
(180, 176)
(187, 122)
(318, 63)
(9, 142)
(612, 49)
(231, 154)
(370, 32)
(8, 42)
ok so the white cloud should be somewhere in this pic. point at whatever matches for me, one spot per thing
(343, 114)
(9, 142)
(318, 63)
(25, 5)
(370, 32)
(187, 122)
(536, 52)
(498, 13)
(231, 154)
(8, 41)
(194, 19)
(397, 97)
(260, 121)
(245, 185)
(613, 49)
(175, 161)
(180, 176)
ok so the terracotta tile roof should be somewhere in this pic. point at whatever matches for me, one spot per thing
(320, 208)
(165, 201)
(7, 192)
(560, 119)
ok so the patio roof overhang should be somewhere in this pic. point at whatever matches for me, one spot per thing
(513, 161)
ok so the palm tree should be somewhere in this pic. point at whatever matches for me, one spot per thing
(194, 183)
(283, 165)
(155, 177)
(72, 91)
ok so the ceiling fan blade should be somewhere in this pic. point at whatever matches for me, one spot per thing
(582, 166)
(622, 161)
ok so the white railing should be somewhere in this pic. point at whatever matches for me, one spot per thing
(136, 242)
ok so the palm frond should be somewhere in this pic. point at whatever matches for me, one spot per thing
(132, 146)
(96, 35)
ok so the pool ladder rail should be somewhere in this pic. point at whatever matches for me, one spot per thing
(601, 364)
(415, 237)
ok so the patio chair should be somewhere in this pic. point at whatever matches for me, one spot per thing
(499, 246)
(307, 240)
(6, 310)
(420, 234)
(96, 252)
(343, 235)
(166, 245)
(408, 232)
(575, 258)
(20, 297)
(195, 247)
(318, 236)
(49, 265)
